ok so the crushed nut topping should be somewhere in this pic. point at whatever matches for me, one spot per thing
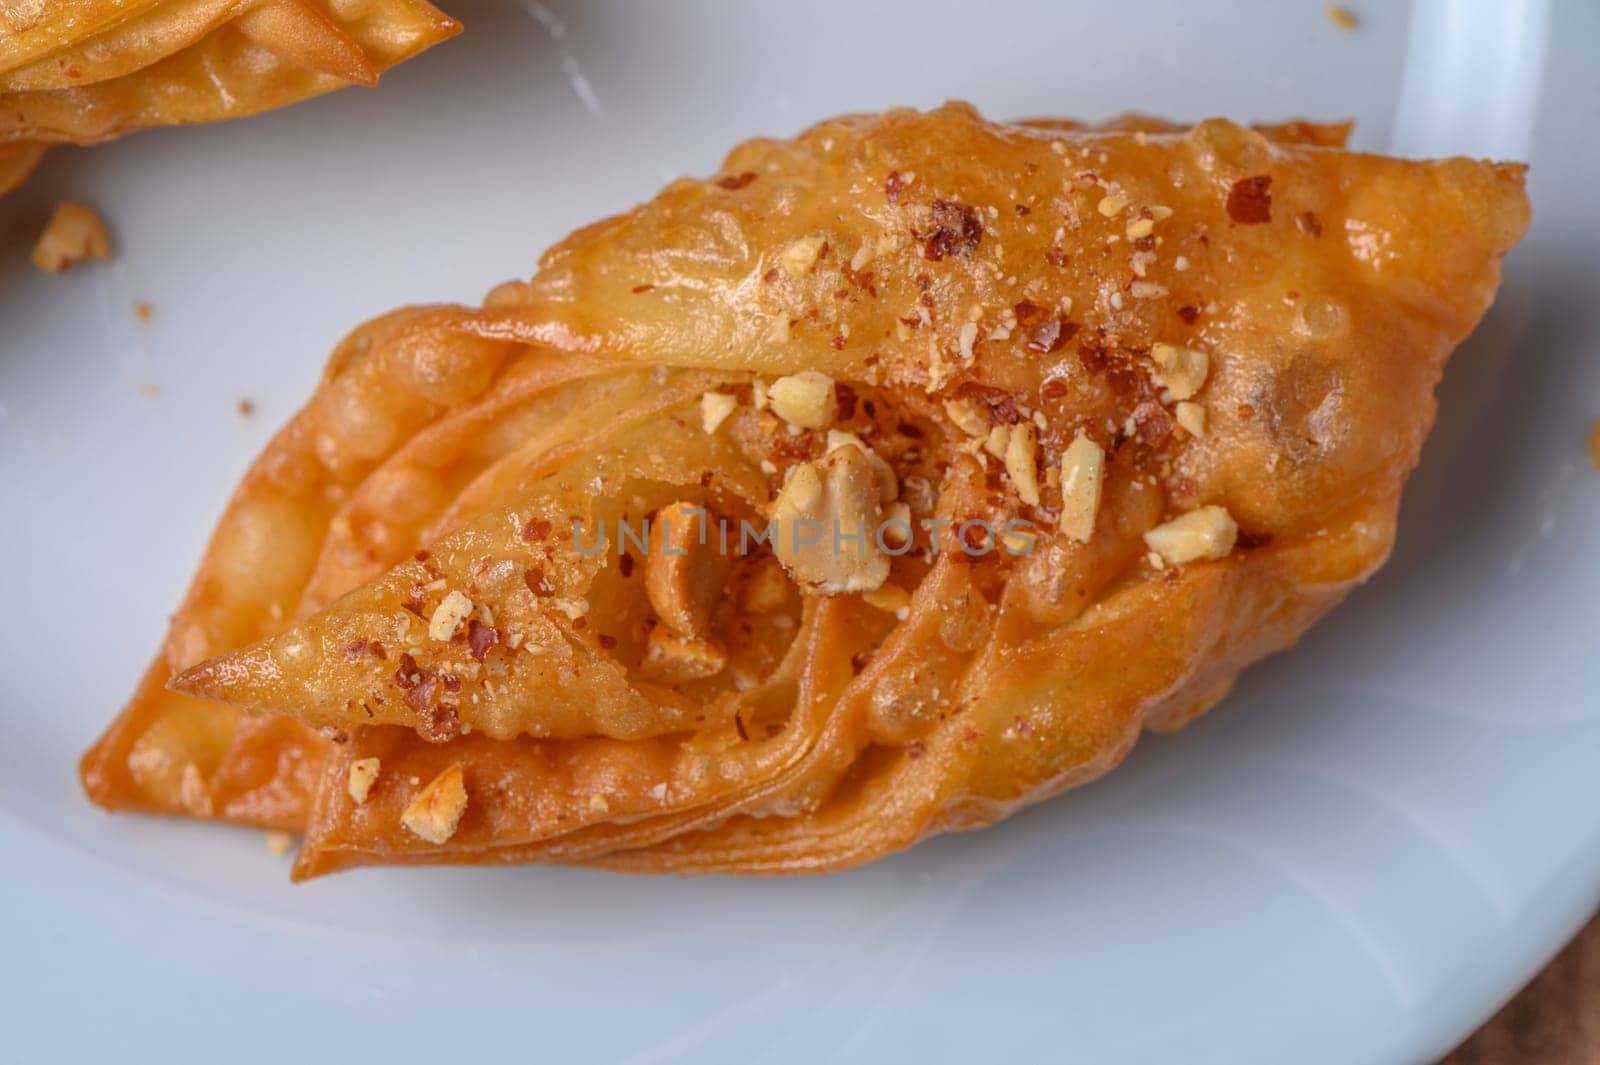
(994, 443)
(798, 257)
(1206, 533)
(805, 399)
(73, 234)
(891, 598)
(714, 410)
(897, 527)
(673, 659)
(683, 575)
(1249, 202)
(435, 812)
(363, 774)
(968, 336)
(448, 616)
(967, 417)
(1183, 370)
(826, 517)
(1112, 205)
(1021, 456)
(1192, 416)
(888, 483)
(1083, 467)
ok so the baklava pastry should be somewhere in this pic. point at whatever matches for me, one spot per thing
(895, 477)
(84, 71)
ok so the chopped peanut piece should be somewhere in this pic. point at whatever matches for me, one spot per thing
(897, 527)
(888, 483)
(1083, 467)
(714, 410)
(448, 616)
(1112, 205)
(673, 659)
(363, 774)
(278, 843)
(826, 518)
(1183, 370)
(1206, 533)
(1017, 542)
(890, 598)
(683, 573)
(73, 234)
(1192, 416)
(766, 591)
(1022, 453)
(967, 417)
(435, 811)
(758, 394)
(805, 399)
(1140, 228)
(798, 257)
(999, 438)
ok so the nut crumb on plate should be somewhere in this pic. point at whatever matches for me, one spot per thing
(1341, 16)
(73, 234)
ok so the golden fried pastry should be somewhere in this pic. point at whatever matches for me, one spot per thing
(84, 71)
(1089, 420)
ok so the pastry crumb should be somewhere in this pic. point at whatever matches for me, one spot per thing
(73, 235)
(245, 408)
(363, 774)
(143, 310)
(279, 843)
(149, 391)
(435, 812)
(1594, 443)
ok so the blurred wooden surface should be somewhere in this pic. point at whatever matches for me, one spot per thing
(1554, 1021)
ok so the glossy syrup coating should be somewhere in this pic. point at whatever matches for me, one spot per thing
(85, 71)
(1244, 326)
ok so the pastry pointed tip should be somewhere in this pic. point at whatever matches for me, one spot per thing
(217, 679)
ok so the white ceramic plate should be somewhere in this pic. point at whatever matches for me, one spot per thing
(1354, 859)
